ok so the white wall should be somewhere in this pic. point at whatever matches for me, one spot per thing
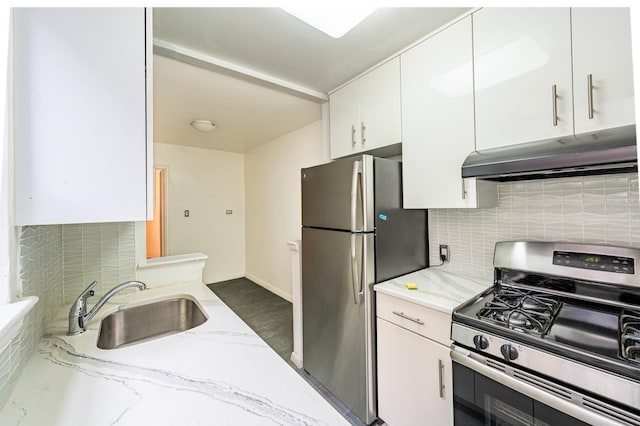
(207, 183)
(273, 203)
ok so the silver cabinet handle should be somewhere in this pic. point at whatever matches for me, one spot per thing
(464, 190)
(362, 135)
(403, 315)
(441, 378)
(554, 101)
(353, 135)
(590, 95)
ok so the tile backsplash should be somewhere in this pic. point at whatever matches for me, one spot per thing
(590, 209)
(102, 252)
(40, 275)
(56, 263)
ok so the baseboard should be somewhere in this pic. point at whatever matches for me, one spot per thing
(269, 287)
(296, 358)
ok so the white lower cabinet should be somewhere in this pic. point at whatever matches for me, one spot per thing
(414, 377)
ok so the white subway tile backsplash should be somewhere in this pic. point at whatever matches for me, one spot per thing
(590, 209)
(102, 252)
(56, 263)
(40, 274)
(5, 374)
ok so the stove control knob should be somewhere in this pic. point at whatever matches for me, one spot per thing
(509, 352)
(480, 342)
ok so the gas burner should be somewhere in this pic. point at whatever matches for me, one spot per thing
(517, 319)
(538, 303)
(522, 310)
(630, 336)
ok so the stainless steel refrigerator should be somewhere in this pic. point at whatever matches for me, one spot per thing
(354, 234)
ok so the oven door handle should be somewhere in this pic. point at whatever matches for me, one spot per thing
(466, 358)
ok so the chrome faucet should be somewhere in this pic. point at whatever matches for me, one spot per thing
(78, 318)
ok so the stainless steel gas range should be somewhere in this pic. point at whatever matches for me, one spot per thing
(555, 341)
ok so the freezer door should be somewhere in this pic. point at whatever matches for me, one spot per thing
(338, 333)
(339, 195)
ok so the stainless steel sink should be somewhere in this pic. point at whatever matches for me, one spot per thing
(150, 321)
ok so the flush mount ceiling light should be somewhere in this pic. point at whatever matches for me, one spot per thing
(334, 21)
(204, 126)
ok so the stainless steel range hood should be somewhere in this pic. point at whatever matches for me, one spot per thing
(607, 151)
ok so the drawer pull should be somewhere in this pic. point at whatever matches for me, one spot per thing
(402, 314)
(441, 378)
(554, 103)
(590, 95)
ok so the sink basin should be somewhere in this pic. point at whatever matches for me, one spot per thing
(150, 321)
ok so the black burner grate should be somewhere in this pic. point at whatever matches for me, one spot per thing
(523, 310)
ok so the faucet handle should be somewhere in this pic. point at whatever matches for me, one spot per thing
(88, 292)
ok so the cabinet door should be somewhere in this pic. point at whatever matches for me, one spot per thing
(437, 120)
(379, 94)
(80, 115)
(411, 370)
(344, 121)
(602, 50)
(520, 55)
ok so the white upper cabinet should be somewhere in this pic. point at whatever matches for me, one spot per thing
(80, 115)
(437, 122)
(344, 116)
(365, 114)
(602, 68)
(380, 106)
(522, 75)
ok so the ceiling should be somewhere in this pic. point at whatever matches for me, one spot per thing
(260, 73)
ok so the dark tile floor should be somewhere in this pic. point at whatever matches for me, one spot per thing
(271, 317)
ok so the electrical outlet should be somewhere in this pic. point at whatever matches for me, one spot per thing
(444, 252)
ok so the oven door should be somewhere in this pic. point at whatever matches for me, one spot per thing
(487, 392)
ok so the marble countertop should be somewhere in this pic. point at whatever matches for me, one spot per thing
(218, 373)
(437, 289)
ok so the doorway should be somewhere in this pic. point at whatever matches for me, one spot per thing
(156, 227)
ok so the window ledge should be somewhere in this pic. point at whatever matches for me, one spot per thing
(11, 318)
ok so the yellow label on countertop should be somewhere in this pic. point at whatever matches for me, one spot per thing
(412, 286)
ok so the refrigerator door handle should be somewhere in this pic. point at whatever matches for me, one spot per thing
(354, 269)
(355, 282)
(355, 186)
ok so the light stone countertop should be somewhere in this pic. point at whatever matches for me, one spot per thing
(437, 289)
(218, 373)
